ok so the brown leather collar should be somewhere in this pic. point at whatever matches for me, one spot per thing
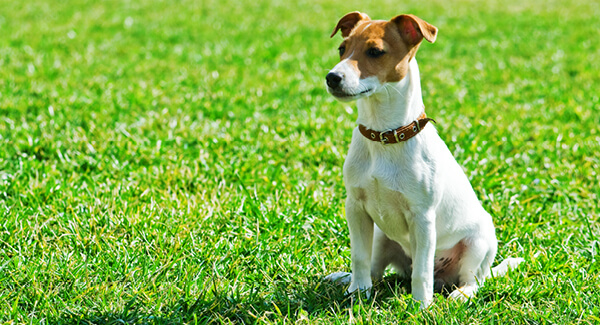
(400, 134)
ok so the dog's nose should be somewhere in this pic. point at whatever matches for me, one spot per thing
(334, 79)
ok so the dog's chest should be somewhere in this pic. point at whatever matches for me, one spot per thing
(389, 209)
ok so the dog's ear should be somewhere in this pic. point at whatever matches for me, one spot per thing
(413, 29)
(348, 22)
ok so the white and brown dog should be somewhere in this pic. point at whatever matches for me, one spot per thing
(409, 203)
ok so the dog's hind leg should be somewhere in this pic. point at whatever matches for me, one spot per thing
(386, 252)
(475, 266)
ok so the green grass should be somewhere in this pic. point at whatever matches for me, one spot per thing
(170, 162)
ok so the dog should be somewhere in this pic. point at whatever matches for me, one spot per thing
(409, 203)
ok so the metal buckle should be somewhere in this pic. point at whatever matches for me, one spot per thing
(382, 139)
(417, 126)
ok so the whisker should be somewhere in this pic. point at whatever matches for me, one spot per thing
(396, 89)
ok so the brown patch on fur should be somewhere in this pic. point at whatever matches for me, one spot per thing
(348, 22)
(447, 266)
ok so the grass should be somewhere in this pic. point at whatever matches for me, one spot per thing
(178, 162)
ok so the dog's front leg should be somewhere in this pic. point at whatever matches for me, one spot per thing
(361, 243)
(423, 241)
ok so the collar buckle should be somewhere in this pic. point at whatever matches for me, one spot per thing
(383, 138)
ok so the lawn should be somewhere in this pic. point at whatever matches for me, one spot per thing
(170, 162)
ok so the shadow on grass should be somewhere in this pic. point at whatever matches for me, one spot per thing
(291, 301)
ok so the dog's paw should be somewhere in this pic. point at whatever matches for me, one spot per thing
(464, 293)
(424, 304)
(507, 264)
(339, 277)
(364, 288)
(513, 262)
(344, 278)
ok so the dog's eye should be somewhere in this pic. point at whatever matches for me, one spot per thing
(375, 52)
(342, 49)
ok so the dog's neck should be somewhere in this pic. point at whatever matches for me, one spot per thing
(395, 104)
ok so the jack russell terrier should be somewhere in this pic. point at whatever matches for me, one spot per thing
(409, 203)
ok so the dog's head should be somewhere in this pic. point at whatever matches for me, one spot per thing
(374, 52)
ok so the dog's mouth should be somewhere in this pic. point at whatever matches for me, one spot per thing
(342, 95)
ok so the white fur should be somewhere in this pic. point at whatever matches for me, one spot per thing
(409, 201)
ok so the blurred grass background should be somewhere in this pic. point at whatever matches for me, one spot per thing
(174, 161)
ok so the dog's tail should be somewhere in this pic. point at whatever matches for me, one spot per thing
(509, 263)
